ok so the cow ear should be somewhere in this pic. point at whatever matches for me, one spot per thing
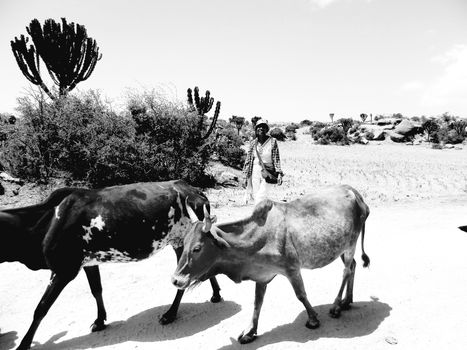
(463, 228)
(220, 242)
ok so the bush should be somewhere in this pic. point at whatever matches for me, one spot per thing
(306, 122)
(331, 134)
(82, 136)
(228, 147)
(278, 134)
(291, 128)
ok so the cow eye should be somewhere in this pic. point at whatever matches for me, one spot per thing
(197, 249)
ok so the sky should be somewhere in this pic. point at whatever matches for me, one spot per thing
(283, 60)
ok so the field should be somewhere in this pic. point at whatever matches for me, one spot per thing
(411, 297)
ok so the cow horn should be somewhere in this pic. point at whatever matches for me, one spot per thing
(215, 233)
(207, 220)
(191, 212)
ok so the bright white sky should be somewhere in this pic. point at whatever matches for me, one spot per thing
(284, 60)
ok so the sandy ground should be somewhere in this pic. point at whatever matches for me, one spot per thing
(412, 296)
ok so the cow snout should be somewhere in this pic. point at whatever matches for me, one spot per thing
(180, 282)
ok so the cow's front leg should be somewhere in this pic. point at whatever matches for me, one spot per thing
(249, 334)
(94, 279)
(216, 296)
(171, 313)
(296, 280)
(55, 287)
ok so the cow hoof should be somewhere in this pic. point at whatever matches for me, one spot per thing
(247, 338)
(166, 319)
(335, 312)
(345, 306)
(98, 326)
(312, 324)
(216, 299)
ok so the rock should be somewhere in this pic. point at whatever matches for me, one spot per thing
(395, 137)
(363, 141)
(7, 177)
(379, 135)
(449, 146)
(407, 128)
(226, 178)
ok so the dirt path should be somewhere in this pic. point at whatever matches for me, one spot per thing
(413, 294)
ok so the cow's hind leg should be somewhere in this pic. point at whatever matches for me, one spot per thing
(347, 282)
(55, 287)
(296, 280)
(94, 279)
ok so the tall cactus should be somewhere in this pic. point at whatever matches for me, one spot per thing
(69, 55)
(203, 105)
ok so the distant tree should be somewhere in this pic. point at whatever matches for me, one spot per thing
(203, 105)
(430, 127)
(278, 134)
(363, 116)
(331, 115)
(346, 124)
(238, 122)
(459, 126)
(68, 53)
(254, 120)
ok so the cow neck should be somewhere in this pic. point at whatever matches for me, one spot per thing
(243, 236)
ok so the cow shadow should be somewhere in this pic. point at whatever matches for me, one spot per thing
(361, 320)
(145, 327)
(7, 340)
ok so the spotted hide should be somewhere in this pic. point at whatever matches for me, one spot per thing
(77, 228)
(280, 238)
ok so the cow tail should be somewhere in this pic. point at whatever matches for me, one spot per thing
(365, 258)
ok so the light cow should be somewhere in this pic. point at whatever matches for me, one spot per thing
(77, 228)
(279, 238)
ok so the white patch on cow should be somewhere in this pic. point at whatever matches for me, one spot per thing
(153, 228)
(171, 213)
(111, 256)
(97, 222)
(57, 212)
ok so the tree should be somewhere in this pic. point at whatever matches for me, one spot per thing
(238, 121)
(430, 127)
(203, 105)
(254, 120)
(69, 55)
(363, 116)
(331, 115)
(460, 127)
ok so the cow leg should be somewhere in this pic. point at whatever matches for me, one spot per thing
(348, 299)
(94, 279)
(170, 315)
(53, 290)
(216, 296)
(249, 334)
(296, 280)
(336, 309)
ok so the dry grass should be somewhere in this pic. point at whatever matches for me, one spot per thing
(381, 172)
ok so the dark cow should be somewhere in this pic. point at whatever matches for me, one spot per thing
(463, 228)
(279, 238)
(77, 228)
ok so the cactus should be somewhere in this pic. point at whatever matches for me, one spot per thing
(70, 56)
(203, 105)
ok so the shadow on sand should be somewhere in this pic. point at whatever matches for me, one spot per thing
(144, 327)
(362, 319)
